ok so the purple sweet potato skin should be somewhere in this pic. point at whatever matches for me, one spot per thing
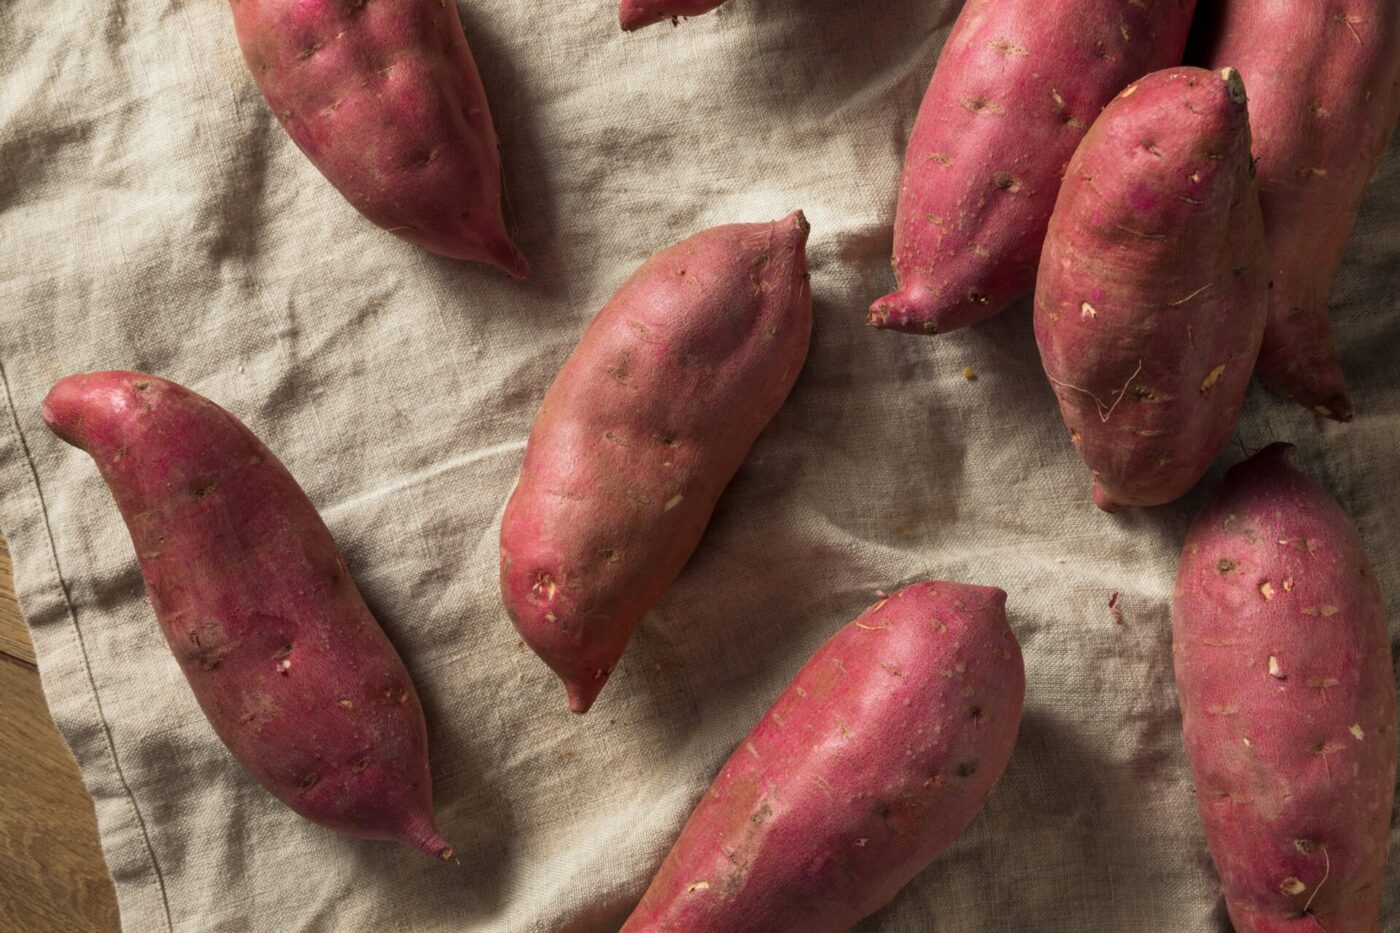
(385, 99)
(1324, 98)
(636, 14)
(1288, 702)
(1152, 293)
(879, 753)
(284, 657)
(1016, 88)
(640, 433)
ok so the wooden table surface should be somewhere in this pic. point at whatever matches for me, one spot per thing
(52, 877)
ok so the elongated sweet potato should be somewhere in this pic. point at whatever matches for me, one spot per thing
(636, 14)
(386, 101)
(1324, 98)
(1152, 293)
(1017, 86)
(874, 759)
(283, 656)
(643, 428)
(1287, 702)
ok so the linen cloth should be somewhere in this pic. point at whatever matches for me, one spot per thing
(156, 217)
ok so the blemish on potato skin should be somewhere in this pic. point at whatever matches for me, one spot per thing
(1007, 47)
(893, 670)
(982, 105)
(544, 586)
(1212, 378)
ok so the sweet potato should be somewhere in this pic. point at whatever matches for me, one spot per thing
(386, 101)
(1324, 98)
(1287, 702)
(635, 14)
(1017, 85)
(874, 759)
(285, 659)
(639, 434)
(1152, 293)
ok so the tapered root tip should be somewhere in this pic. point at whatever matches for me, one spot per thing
(78, 407)
(1313, 379)
(425, 838)
(507, 257)
(633, 16)
(910, 311)
(1105, 501)
(995, 595)
(1338, 408)
(1234, 84)
(582, 695)
(59, 407)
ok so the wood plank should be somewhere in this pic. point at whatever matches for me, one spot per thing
(14, 635)
(52, 876)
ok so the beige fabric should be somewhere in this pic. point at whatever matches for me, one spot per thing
(156, 217)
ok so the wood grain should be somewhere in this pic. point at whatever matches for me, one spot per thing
(14, 635)
(52, 877)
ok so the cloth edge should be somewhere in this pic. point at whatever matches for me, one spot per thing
(42, 593)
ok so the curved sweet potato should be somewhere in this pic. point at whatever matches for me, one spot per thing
(1016, 87)
(639, 434)
(1152, 294)
(1324, 98)
(635, 14)
(874, 759)
(1287, 702)
(386, 101)
(293, 672)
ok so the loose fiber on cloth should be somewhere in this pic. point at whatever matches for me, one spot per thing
(156, 217)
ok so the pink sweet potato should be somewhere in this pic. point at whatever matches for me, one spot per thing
(1018, 84)
(1287, 702)
(641, 431)
(385, 99)
(1152, 293)
(874, 759)
(635, 14)
(1324, 98)
(293, 672)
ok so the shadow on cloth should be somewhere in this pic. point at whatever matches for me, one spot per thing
(527, 164)
(472, 814)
